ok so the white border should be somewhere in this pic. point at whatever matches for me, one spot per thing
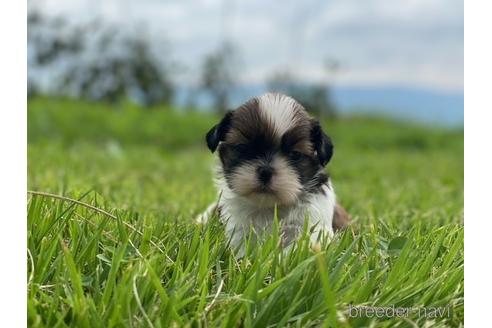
(13, 180)
(478, 164)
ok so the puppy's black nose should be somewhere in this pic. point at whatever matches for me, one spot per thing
(265, 173)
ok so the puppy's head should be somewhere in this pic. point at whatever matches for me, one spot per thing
(271, 150)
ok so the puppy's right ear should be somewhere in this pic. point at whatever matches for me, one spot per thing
(218, 132)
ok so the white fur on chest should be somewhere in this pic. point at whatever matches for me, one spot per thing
(240, 214)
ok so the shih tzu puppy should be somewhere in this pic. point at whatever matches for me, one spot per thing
(272, 157)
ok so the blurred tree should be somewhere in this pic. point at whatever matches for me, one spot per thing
(218, 75)
(314, 97)
(95, 62)
(46, 43)
(190, 103)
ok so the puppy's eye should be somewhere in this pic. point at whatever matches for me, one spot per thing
(295, 155)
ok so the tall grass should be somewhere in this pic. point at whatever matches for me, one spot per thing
(120, 248)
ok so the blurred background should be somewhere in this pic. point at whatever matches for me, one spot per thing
(122, 93)
(398, 59)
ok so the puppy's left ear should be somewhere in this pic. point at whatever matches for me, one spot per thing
(218, 132)
(322, 144)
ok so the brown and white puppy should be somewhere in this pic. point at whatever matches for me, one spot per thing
(272, 155)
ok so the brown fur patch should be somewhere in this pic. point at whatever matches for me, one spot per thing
(248, 124)
(341, 218)
(298, 139)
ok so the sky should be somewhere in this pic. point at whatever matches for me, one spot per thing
(413, 43)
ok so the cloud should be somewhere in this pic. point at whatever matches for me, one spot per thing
(413, 42)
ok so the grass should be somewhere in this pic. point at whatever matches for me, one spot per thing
(127, 253)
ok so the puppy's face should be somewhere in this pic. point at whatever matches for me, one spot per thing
(271, 151)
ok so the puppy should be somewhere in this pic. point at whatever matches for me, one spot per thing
(272, 157)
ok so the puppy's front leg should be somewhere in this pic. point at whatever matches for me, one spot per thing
(289, 233)
(211, 211)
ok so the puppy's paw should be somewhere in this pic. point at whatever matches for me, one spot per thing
(289, 233)
(211, 211)
(316, 247)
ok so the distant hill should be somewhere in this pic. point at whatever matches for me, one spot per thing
(403, 103)
(421, 105)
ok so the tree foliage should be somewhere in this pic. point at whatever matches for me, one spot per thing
(218, 75)
(316, 98)
(95, 61)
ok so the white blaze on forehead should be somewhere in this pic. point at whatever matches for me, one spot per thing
(280, 110)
